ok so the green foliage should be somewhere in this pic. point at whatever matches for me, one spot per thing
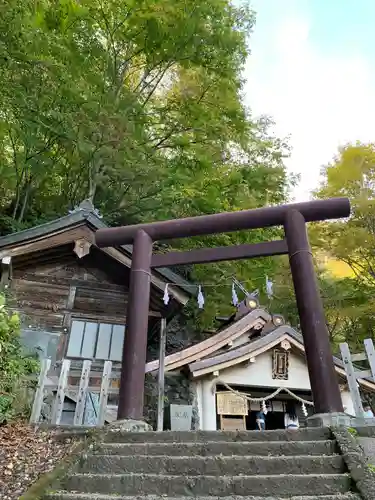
(353, 431)
(15, 367)
(351, 300)
(352, 174)
(137, 106)
(127, 97)
(348, 305)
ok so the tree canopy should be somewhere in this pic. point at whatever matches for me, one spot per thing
(351, 241)
(348, 297)
(136, 105)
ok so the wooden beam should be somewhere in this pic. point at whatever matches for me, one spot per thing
(352, 379)
(6, 272)
(206, 255)
(370, 351)
(58, 406)
(39, 393)
(316, 210)
(177, 293)
(82, 392)
(49, 242)
(163, 338)
(103, 398)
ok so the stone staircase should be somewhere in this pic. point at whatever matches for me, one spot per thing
(272, 465)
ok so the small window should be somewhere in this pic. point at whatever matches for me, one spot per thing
(91, 340)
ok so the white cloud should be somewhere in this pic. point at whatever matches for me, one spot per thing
(320, 99)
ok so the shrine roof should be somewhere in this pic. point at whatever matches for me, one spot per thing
(84, 221)
(217, 353)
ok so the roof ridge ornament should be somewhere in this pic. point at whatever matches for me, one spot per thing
(88, 207)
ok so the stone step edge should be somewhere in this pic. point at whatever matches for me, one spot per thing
(316, 434)
(217, 457)
(99, 496)
(200, 443)
(210, 476)
(302, 430)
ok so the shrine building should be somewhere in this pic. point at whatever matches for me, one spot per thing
(260, 357)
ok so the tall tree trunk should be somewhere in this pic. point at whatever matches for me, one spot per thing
(25, 201)
(18, 195)
(92, 187)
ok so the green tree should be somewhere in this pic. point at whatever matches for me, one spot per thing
(348, 306)
(15, 367)
(352, 241)
(113, 95)
(348, 301)
(138, 106)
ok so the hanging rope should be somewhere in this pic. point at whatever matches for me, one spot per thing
(265, 398)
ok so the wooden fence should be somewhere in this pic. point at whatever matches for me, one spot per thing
(353, 373)
(74, 385)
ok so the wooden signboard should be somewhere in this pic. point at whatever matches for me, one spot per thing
(231, 404)
(232, 424)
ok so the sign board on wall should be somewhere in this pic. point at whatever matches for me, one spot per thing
(231, 404)
(181, 416)
(277, 406)
(232, 424)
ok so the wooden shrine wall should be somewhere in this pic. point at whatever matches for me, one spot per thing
(48, 295)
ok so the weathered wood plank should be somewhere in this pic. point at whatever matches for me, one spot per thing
(90, 388)
(24, 286)
(362, 374)
(163, 338)
(50, 281)
(370, 351)
(56, 240)
(71, 297)
(115, 375)
(41, 318)
(6, 272)
(359, 357)
(352, 380)
(60, 396)
(39, 393)
(82, 391)
(104, 392)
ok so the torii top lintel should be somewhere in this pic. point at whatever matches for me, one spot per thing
(317, 210)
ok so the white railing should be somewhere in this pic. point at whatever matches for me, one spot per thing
(59, 388)
(353, 374)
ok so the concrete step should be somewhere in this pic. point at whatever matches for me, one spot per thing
(158, 484)
(258, 448)
(308, 434)
(210, 466)
(61, 495)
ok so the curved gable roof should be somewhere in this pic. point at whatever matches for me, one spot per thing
(260, 345)
(84, 215)
(254, 319)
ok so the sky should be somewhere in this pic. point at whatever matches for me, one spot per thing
(312, 68)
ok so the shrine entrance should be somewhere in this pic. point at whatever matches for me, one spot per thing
(235, 412)
(293, 218)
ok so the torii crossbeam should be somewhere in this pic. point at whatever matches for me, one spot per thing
(293, 218)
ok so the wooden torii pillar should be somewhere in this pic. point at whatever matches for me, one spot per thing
(293, 218)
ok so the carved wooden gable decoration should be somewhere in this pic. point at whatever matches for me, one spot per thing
(280, 364)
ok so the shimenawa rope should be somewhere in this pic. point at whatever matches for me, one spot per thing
(265, 398)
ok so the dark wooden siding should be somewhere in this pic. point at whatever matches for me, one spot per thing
(48, 294)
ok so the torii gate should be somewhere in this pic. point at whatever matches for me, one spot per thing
(293, 218)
